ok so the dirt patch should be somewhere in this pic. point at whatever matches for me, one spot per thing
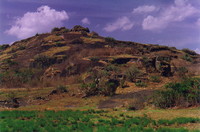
(133, 99)
(109, 104)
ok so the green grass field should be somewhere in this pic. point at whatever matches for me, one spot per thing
(88, 121)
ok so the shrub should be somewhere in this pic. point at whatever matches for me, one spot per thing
(1, 78)
(147, 63)
(155, 79)
(132, 73)
(188, 51)
(21, 47)
(59, 31)
(79, 28)
(24, 75)
(111, 68)
(102, 87)
(55, 29)
(185, 93)
(64, 30)
(84, 33)
(89, 89)
(140, 84)
(182, 71)
(187, 58)
(62, 88)
(94, 59)
(109, 39)
(17, 77)
(14, 55)
(42, 61)
(159, 48)
(164, 99)
(10, 62)
(11, 96)
(145, 60)
(109, 87)
(59, 89)
(4, 46)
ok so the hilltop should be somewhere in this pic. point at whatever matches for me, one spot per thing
(89, 64)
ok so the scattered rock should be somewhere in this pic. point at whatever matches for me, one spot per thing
(14, 103)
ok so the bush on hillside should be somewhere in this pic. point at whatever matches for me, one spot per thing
(109, 39)
(55, 29)
(132, 73)
(21, 47)
(111, 67)
(59, 31)
(140, 84)
(89, 89)
(101, 83)
(108, 87)
(94, 59)
(182, 71)
(42, 61)
(79, 28)
(16, 78)
(185, 93)
(62, 88)
(4, 46)
(59, 89)
(187, 57)
(155, 79)
(10, 62)
(103, 87)
(188, 51)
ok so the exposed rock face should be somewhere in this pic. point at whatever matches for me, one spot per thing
(159, 64)
(166, 69)
(51, 73)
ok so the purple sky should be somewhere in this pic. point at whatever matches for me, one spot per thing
(166, 22)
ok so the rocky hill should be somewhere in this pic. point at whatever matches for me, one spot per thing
(67, 53)
(76, 63)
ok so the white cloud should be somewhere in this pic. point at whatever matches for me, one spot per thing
(180, 2)
(175, 13)
(197, 50)
(122, 23)
(85, 21)
(198, 22)
(43, 20)
(145, 9)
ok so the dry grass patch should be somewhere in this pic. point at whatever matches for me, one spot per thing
(4, 56)
(52, 51)
(92, 40)
(53, 38)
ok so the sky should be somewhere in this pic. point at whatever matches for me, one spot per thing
(174, 23)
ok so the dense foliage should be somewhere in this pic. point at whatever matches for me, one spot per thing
(185, 93)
